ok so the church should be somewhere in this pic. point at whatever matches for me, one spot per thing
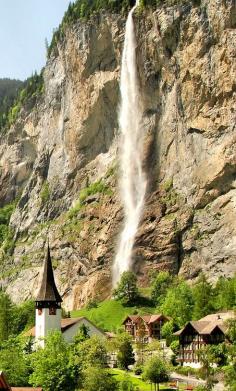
(48, 315)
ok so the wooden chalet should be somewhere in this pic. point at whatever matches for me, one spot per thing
(145, 327)
(210, 330)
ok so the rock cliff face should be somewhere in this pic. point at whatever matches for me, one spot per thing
(62, 155)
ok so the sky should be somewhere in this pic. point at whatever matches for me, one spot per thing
(24, 25)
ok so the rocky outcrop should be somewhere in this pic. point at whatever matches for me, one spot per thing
(55, 153)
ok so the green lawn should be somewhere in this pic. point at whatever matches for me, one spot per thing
(137, 382)
(110, 314)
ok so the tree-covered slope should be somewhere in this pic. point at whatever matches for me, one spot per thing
(8, 92)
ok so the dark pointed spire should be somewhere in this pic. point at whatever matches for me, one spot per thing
(48, 292)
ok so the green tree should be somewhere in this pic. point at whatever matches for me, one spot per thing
(178, 303)
(81, 335)
(160, 285)
(175, 349)
(167, 331)
(140, 342)
(230, 370)
(125, 354)
(203, 294)
(14, 362)
(127, 290)
(207, 359)
(225, 293)
(91, 352)
(7, 310)
(219, 354)
(53, 367)
(156, 371)
(126, 385)
(24, 316)
(99, 379)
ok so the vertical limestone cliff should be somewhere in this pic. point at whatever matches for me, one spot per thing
(60, 157)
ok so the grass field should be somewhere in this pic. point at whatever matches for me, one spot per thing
(137, 382)
(110, 314)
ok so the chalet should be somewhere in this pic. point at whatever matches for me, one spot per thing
(196, 334)
(145, 327)
(4, 386)
(48, 310)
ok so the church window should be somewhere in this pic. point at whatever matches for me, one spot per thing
(52, 311)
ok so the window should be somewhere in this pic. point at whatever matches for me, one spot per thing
(40, 311)
(52, 311)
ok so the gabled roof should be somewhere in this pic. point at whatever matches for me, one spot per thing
(65, 325)
(219, 316)
(48, 290)
(134, 318)
(146, 318)
(204, 327)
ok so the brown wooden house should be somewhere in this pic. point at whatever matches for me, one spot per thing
(197, 334)
(145, 327)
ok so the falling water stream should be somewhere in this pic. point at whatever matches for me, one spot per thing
(132, 180)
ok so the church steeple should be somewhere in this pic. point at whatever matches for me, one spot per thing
(48, 303)
(48, 294)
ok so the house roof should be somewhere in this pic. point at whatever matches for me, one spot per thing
(65, 325)
(219, 316)
(48, 290)
(26, 389)
(3, 382)
(5, 386)
(209, 323)
(147, 318)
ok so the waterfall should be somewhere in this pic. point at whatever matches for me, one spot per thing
(132, 179)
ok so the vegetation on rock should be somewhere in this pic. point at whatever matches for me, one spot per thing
(25, 96)
(8, 93)
(84, 9)
(5, 215)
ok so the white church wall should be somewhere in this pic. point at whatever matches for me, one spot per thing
(45, 323)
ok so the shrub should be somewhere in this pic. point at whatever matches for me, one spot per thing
(45, 192)
(138, 369)
(92, 304)
(6, 235)
(96, 187)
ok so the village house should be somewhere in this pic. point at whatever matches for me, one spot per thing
(145, 328)
(196, 334)
(48, 311)
(4, 386)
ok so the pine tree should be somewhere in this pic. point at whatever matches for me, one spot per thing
(202, 293)
(6, 316)
(125, 356)
(127, 290)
